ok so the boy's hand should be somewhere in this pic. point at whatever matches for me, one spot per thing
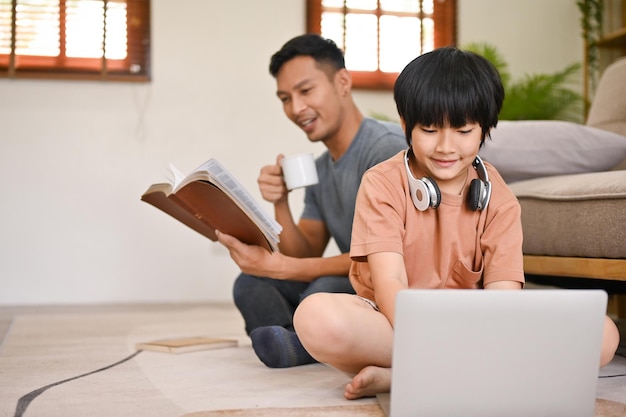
(272, 183)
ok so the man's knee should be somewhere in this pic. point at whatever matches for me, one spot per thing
(330, 284)
(241, 286)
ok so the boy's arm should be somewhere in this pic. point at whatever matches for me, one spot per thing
(388, 276)
(504, 285)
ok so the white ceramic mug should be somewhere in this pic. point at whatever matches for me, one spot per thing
(299, 170)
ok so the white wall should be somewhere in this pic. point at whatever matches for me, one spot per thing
(533, 35)
(76, 156)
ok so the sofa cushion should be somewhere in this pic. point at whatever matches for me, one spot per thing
(580, 215)
(523, 150)
(608, 108)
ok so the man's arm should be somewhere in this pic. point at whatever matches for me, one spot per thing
(308, 238)
(255, 260)
(301, 245)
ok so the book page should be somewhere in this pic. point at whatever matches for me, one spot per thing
(214, 172)
(177, 176)
(224, 178)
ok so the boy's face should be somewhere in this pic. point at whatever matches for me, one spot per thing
(446, 154)
(310, 98)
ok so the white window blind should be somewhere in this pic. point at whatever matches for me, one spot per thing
(379, 37)
(105, 39)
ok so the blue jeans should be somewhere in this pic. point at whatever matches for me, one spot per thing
(272, 302)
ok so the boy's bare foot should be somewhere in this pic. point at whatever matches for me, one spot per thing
(370, 381)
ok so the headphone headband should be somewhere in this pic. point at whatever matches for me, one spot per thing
(480, 167)
(485, 185)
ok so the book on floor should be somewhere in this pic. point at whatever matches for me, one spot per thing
(186, 344)
(211, 198)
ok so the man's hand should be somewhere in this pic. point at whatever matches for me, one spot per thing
(255, 260)
(251, 259)
(272, 183)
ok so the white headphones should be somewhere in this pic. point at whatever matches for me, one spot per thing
(425, 192)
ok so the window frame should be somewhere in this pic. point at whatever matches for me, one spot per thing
(71, 68)
(444, 16)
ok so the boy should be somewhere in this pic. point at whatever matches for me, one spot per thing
(434, 216)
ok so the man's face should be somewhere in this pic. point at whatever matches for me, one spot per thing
(310, 99)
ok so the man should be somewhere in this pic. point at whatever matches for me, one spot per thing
(315, 90)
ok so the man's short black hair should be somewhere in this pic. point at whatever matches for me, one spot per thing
(322, 50)
(449, 87)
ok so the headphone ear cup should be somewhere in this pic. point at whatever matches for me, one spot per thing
(435, 193)
(419, 194)
(424, 193)
(476, 192)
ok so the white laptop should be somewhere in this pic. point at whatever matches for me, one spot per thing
(495, 353)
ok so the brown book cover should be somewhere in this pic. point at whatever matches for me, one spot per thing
(210, 198)
(186, 344)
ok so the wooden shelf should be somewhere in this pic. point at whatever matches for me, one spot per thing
(615, 39)
(611, 47)
(598, 268)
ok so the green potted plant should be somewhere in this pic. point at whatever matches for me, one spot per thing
(591, 12)
(535, 96)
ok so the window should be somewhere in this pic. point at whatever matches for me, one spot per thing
(75, 39)
(379, 37)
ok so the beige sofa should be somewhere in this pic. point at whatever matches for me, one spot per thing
(571, 183)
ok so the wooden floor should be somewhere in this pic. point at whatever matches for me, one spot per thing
(8, 312)
(609, 388)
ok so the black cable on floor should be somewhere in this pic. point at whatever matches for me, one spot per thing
(611, 376)
(25, 400)
(618, 353)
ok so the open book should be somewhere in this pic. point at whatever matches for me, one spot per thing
(210, 198)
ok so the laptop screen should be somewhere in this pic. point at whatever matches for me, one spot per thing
(496, 352)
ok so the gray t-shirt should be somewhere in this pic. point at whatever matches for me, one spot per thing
(332, 199)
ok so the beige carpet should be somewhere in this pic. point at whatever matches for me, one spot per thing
(40, 351)
(81, 365)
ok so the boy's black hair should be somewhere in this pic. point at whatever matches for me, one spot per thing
(322, 50)
(449, 87)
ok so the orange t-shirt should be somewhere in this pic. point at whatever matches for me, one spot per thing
(447, 247)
